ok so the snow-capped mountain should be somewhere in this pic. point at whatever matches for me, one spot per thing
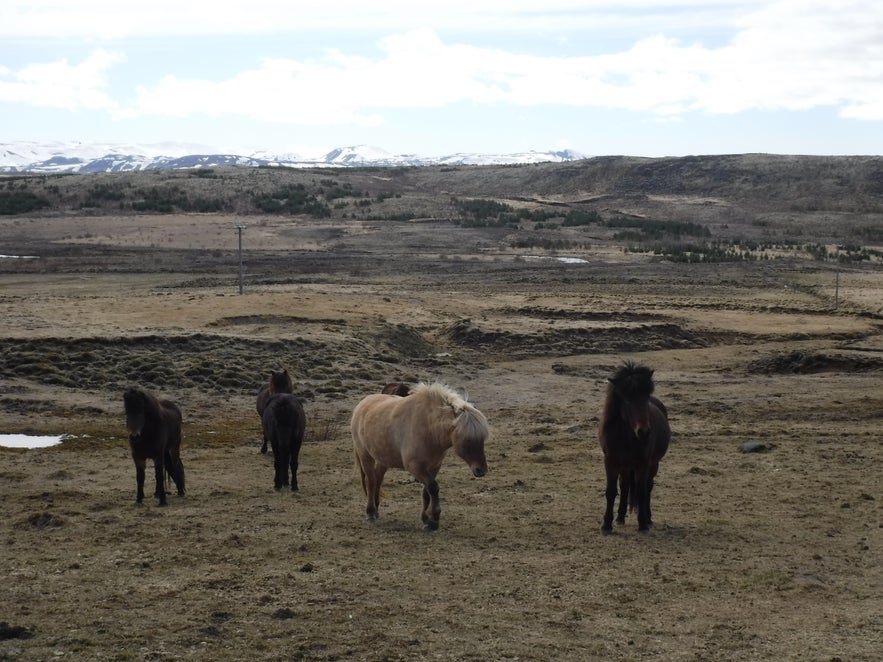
(75, 157)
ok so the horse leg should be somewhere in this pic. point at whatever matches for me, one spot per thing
(610, 493)
(642, 496)
(295, 452)
(373, 474)
(379, 473)
(160, 471)
(280, 460)
(650, 478)
(140, 470)
(264, 446)
(176, 468)
(431, 505)
(649, 510)
(625, 481)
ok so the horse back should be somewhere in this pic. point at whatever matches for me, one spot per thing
(284, 416)
(660, 430)
(263, 396)
(658, 404)
(172, 421)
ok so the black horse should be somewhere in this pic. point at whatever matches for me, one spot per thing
(154, 433)
(634, 435)
(284, 423)
(280, 382)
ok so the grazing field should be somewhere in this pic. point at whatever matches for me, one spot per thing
(753, 555)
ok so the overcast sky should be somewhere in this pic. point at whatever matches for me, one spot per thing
(432, 78)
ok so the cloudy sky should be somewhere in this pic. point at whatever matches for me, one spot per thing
(634, 77)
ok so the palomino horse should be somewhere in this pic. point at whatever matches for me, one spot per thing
(279, 382)
(413, 434)
(154, 432)
(634, 435)
(284, 423)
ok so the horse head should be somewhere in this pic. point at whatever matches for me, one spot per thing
(135, 403)
(467, 438)
(280, 382)
(633, 386)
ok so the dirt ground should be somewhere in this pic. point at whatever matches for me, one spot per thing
(770, 555)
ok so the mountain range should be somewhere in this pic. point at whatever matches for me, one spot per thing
(75, 157)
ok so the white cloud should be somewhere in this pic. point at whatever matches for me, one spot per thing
(60, 84)
(112, 19)
(787, 54)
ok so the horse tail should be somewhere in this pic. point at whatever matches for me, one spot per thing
(361, 471)
(167, 462)
(287, 419)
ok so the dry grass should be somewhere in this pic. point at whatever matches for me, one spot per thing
(754, 556)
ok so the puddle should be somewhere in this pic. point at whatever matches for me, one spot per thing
(20, 257)
(564, 260)
(30, 441)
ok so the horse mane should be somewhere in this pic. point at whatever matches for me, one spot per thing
(443, 392)
(631, 381)
(469, 423)
(149, 403)
(280, 382)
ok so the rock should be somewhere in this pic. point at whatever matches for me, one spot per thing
(755, 447)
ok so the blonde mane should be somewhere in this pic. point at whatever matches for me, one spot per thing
(444, 393)
(469, 423)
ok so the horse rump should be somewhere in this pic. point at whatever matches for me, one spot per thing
(284, 423)
(279, 382)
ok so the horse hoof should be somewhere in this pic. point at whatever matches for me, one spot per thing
(294, 488)
(430, 526)
(606, 530)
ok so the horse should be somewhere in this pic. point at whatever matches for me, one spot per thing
(279, 382)
(154, 428)
(396, 388)
(634, 435)
(414, 433)
(284, 422)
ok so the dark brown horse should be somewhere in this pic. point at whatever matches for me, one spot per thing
(154, 433)
(396, 388)
(279, 382)
(284, 423)
(634, 435)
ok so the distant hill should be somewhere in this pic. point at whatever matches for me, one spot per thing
(61, 157)
(761, 196)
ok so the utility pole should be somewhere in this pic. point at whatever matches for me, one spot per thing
(240, 228)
